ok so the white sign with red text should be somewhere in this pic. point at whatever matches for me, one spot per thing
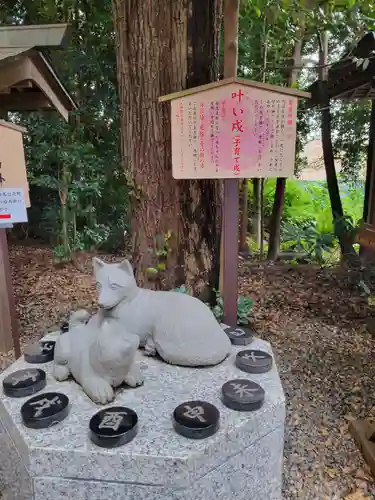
(233, 131)
(12, 206)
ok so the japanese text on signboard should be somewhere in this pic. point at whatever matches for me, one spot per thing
(233, 131)
(12, 206)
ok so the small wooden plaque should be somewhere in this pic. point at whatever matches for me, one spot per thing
(366, 236)
(12, 158)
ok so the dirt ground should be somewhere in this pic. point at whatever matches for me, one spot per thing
(315, 321)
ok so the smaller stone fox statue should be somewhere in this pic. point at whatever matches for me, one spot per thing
(178, 327)
(99, 358)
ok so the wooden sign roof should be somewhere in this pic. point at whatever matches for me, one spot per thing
(28, 81)
(35, 35)
(241, 81)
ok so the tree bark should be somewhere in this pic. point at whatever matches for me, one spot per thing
(201, 200)
(345, 240)
(367, 253)
(275, 221)
(369, 205)
(151, 62)
(163, 47)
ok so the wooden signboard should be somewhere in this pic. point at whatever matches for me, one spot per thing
(233, 129)
(366, 236)
(12, 159)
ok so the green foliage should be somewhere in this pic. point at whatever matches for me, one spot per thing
(78, 190)
(316, 244)
(307, 224)
(77, 186)
(244, 308)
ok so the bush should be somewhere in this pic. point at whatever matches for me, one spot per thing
(307, 224)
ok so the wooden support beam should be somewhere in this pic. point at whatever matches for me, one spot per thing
(229, 264)
(25, 101)
(9, 329)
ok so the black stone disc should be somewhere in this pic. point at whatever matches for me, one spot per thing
(45, 410)
(239, 335)
(48, 345)
(253, 361)
(24, 383)
(114, 426)
(243, 395)
(39, 352)
(64, 327)
(196, 419)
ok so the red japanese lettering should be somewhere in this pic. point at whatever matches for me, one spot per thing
(237, 126)
(236, 166)
(239, 95)
(235, 112)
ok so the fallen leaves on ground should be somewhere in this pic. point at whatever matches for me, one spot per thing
(357, 495)
(315, 320)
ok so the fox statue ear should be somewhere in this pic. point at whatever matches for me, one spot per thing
(97, 264)
(126, 266)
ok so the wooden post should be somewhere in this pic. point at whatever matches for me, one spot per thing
(9, 331)
(369, 204)
(366, 252)
(231, 187)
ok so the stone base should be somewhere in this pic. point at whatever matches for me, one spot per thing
(242, 460)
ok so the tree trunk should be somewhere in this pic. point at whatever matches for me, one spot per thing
(367, 253)
(346, 243)
(256, 223)
(369, 206)
(275, 222)
(201, 200)
(278, 205)
(152, 60)
(244, 216)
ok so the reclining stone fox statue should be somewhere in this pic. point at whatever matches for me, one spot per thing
(181, 329)
(177, 326)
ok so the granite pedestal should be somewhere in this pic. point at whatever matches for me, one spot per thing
(242, 461)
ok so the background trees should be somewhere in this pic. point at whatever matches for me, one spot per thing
(85, 193)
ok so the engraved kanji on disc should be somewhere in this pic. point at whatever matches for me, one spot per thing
(40, 352)
(254, 361)
(196, 419)
(243, 395)
(44, 410)
(113, 426)
(238, 335)
(24, 383)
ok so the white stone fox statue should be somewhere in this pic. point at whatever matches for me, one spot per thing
(178, 327)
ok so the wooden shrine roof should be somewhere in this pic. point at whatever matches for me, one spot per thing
(28, 81)
(347, 79)
(240, 81)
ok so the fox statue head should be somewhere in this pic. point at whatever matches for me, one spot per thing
(115, 283)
